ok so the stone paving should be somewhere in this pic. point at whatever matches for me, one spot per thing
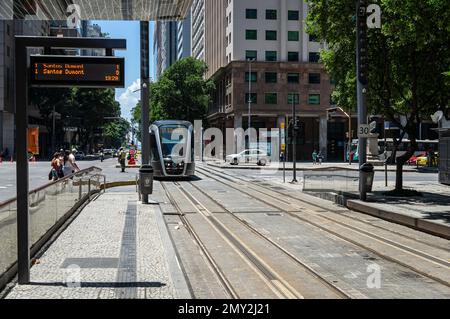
(114, 249)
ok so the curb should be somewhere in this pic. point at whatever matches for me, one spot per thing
(288, 169)
(405, 220)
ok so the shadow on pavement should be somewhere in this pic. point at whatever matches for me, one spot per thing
(102, 284)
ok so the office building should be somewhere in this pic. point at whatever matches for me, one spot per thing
(269, 37)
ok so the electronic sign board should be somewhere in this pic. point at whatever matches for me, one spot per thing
(70, 71)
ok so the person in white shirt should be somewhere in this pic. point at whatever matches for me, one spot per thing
(72, 161)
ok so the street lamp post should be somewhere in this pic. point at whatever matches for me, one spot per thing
(250, 94)
(294, 140)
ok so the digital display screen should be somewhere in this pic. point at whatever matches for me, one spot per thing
(67, 71)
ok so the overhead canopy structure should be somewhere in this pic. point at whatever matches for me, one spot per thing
(142, 10)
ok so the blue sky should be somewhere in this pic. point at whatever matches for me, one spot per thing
(129, 30)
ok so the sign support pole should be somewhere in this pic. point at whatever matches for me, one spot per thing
(362, 70)
(145, 97)
(23, 242)
(21, 104)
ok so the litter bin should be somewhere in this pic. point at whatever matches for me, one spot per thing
(146, 179)
(367, 171)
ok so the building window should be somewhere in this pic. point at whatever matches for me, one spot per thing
(8, 51)
(253, 98)
(271, 98)
(229, 39)
(314, 78)
(251, 34)
(293, 98)
(254, 76)
(271, 14)
(251, 55)
(293, 78)
(8, 29)
(251, 13)
(314, 57)
(293, 15)
(293, 35)
(314, 99)
(271, 35)
(332, 81)
(293, 56)
(271, 56)
(271, 77)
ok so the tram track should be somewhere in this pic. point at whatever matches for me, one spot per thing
(271, 197)
(316, 206)
(300, 263)
(211, 262)
(275, 281)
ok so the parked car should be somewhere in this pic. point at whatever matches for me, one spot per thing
(107, 152)
(258, 157)
(413, 159)
(423, 160)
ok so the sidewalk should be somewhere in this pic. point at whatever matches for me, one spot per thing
(115, 249)
(303, 166)
(429, 213)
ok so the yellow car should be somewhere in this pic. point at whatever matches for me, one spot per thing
(423, 161)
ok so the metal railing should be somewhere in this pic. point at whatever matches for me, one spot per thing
(331, 179)
(49, 207)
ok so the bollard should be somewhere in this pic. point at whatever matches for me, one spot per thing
(89, 189)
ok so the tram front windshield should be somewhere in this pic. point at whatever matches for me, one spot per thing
(173, 141)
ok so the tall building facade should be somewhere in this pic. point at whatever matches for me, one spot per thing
(259, 51)
(198, 28)
(165, 45)
(184, 48)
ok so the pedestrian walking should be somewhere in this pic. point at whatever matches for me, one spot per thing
(55, 167)
(61, 165)
(102, 155)
(72, 161)
(122, 158)
(320, 158)
(67, 166)
(314, 157)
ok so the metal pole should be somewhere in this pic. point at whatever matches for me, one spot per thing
(385, 152)
(249, 95)
(145, 97)
(294, 141)
(362, 68)
(53, 131)
(350, 136)
(23, 244)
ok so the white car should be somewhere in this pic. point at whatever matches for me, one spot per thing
(258, 157)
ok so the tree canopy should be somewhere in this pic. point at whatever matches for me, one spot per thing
(180, 93)
(87, 110)
(408, 57)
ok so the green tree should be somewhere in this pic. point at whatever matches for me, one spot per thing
(114, 133)
(407, 59)
(181, 93)
(47, 99)
(91, 107)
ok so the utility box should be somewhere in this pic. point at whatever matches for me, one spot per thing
(146, 179)
(444, 156)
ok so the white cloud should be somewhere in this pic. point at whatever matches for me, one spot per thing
(130, 98)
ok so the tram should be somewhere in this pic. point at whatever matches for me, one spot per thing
(172, 149)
